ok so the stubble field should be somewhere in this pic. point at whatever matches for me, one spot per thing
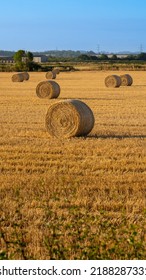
(79, 198)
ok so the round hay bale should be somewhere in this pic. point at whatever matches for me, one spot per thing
(50, 75)
(17, 77)
(48, 89)
(56, 71)
(112, 81)
(126, 80)
(69, 118)
(25, 75)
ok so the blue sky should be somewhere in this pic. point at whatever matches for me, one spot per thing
(98, 25)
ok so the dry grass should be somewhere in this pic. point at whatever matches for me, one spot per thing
(82, 198)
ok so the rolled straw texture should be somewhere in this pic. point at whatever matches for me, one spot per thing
(126, 80)
(56, 71)
(25, 75)
(17, 77)
(69, 118)
(50, 75)
(112, 81)
(48, 89)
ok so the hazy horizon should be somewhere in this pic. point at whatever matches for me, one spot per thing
(67, 50)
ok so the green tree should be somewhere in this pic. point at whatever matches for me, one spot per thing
(141, 56)
(22, 56)
(114, 57)
(23, 61)
(103, 57)
(130, 57)
(29, 56)
(84, 57)
(18, 56)
(94, 57)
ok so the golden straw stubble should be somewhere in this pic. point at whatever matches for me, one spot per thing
(126, 80)
(48, 89)
(69, 118)
(113, 81)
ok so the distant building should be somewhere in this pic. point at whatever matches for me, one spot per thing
(6, 59)
(118, 55)
(40, 58)
(111, 54)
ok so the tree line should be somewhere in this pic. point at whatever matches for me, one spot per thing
(56, 55)
(24, 59)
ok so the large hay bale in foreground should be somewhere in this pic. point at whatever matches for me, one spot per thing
(25, 75)
(50, 75)
(18, 77)
(126, 80)
(69, 118)
(113, 81)
(48, 89)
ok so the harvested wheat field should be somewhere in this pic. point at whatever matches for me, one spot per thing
(77, 198)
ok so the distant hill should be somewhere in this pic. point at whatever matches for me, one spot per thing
(65, 53)
(6, 53)
(53, 53)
